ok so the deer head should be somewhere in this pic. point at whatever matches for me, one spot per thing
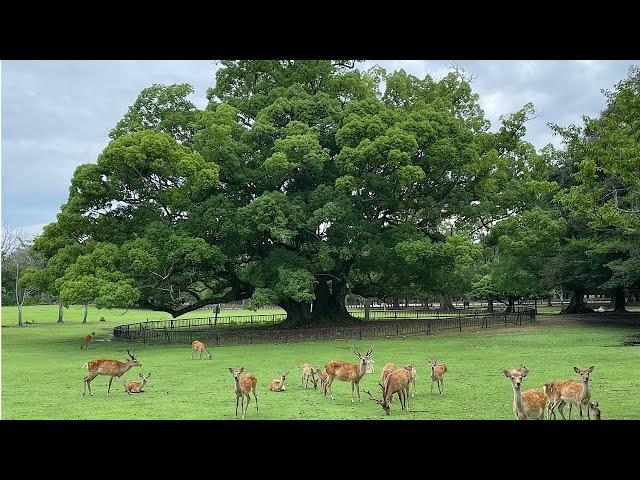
(236, 372)
(516, 375)
(584, 373)
(283, 375)
(365, 360)
(594, 409)
(145, 378)
(134, 361)
(383, 403)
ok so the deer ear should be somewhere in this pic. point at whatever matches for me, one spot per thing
(596, 404)
(149, 374)
(507, 373)
(241, 369)
(140, 375)
(576, 369)
(231, 370)
(591, 368)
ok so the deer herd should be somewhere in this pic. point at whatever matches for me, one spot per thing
(533, 404)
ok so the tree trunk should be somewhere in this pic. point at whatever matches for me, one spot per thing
(20, 315)
(490, 305)
(576, 305)
(619, 301)
(445, 303)
(367, 307)
(328, 307)
(396, 304)
(60, 311)
(86, 312)
(549, 304)
(510, 307)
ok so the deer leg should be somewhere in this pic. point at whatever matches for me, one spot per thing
(561, 409)
(87, 383)
(358, 390)
(352, 399)
(580, 409)
(442, 382)
(237, 399)
(407, 399)
(256, 397)
(570, 405)
(247, 406)
(109, 389)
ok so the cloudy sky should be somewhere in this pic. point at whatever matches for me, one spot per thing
(56, 114)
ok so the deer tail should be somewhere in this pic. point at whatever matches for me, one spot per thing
(85, 365)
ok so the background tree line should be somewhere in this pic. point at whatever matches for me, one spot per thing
(304, 181)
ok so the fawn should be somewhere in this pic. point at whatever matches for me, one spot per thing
(112, 368)
(278, 385)
(396, 382)
(137, 387)
(349, 372)
(245, 384)
(437, 374)
(323, 379)
(529, 405)
(572, 392)
(87, 340)
(308, 373)
(593, 409)
(198, 346)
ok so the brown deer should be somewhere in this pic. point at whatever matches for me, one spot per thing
(322, 375)
(137, 387)
(277, 385)
(396, 382)
(87, 340)
(529, 405)
(386, 371)
(349, 372)
(308, 373)
(198, 346)
(112, 368)
(437, 374)
(572, 392)
(414, 378)
(245, 384)
(593, 409)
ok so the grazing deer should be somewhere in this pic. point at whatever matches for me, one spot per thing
(572, 392)
(245, 384)
(323, 379)
(278, 385)
(197, 346)
(112, 368)
(137, 387)
(308, 373)
(87, 340)
(529, 405)
(396, 382)
(349, 372)
(593, 409)
(437, 374)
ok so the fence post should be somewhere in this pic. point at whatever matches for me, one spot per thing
(459, 321)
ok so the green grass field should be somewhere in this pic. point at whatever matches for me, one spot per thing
(42, 372)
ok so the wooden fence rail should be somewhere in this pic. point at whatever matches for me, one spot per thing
(198, 329)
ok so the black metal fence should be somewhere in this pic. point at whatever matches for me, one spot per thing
(167, 331)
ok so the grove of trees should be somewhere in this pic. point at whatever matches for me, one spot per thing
(304, 181)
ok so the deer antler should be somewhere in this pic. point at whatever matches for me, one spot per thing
(355, 351)
(372, 397)
(132, 356)
(369, 352)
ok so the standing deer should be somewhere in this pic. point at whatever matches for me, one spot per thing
(386, 371)
(396, 382)
(112, 368)
(87, 340)
(323, 379)
(137, 387)
(308, 373)
(529, 405)
(414, 378)
(278, 385)
(593, 409)
(245, 384)
(572, 392)
(437, 374)
(349, 372)
(198, 346)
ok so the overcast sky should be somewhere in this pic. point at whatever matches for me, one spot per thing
(56, 114)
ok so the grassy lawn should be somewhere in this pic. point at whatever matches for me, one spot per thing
(42, 373)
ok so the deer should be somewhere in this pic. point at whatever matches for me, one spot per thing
(593, 409)
(528, 405)
(137, 387)
(112, 368)
(572, 392)
(414, 378)
(386, 371)
(323, 379)
(396, 382)
(278, 385)
(198, 346)
(349, 372)
(307, 372)
(87, 340)
(437, 374)
(245, 384)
